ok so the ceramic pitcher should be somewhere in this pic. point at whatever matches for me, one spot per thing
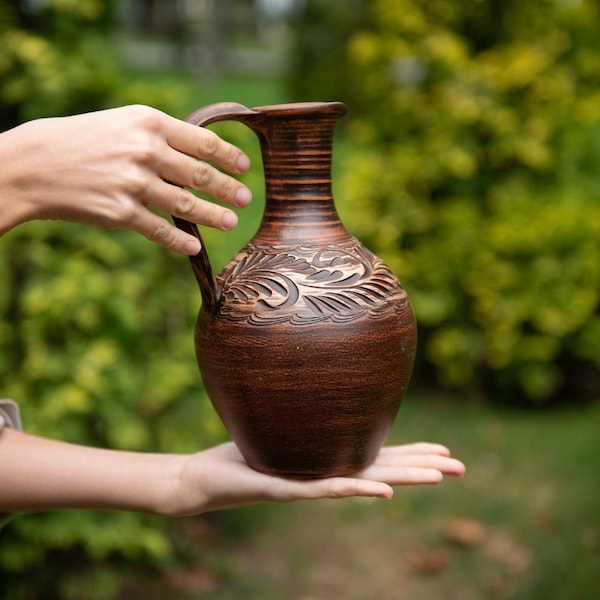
(306, 340)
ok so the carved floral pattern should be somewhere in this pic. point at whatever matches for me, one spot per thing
(303, 285)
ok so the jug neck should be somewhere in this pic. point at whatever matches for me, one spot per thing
(297, 145)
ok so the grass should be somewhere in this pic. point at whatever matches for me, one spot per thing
(529, 502)
(524, 523)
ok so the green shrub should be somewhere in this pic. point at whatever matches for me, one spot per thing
(97, 345)
(96, 335)
(477, 134)
(58, 58)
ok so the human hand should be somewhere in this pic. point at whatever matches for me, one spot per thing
(106, 168)
(219, 478)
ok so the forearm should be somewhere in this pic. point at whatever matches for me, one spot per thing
(41, 474)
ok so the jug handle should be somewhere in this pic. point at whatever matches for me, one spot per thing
(220, 111)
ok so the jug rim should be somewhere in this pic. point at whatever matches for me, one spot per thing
(299, 108)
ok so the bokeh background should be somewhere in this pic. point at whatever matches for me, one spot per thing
(469, 161)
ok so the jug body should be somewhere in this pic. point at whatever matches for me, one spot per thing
(308, 357)
(307, 349)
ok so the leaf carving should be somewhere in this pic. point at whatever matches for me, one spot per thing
(304, 285)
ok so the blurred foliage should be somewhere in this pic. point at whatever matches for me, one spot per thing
(57, 58)
(477, 126)
(319, 66)
(96, 335)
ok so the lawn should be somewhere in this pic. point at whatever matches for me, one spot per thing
(524, 523)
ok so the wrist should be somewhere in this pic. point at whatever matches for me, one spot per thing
(177, 492)
(17, 152)
(148, 483)
(165, 483)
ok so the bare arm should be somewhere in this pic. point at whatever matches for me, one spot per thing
(39, 474)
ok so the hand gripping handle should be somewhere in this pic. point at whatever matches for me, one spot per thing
(221, 111)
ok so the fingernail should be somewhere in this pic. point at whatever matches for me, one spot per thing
(229, 220)
(243, 196)
(243, 163)
(192, 247)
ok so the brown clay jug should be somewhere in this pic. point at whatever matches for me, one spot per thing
(306, 340)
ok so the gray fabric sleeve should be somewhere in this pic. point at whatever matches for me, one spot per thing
(9, 417)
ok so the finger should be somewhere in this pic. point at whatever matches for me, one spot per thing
(418, 460)
(182, 203)
(205, 144)
(330, 488)
(199, 175)
(416, 448)
(384, 469)
(404, 475)
(445, 464)
(159, 230)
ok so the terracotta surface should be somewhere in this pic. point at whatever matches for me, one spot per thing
(306, 340)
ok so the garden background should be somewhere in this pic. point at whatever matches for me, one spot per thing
(469, 161)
